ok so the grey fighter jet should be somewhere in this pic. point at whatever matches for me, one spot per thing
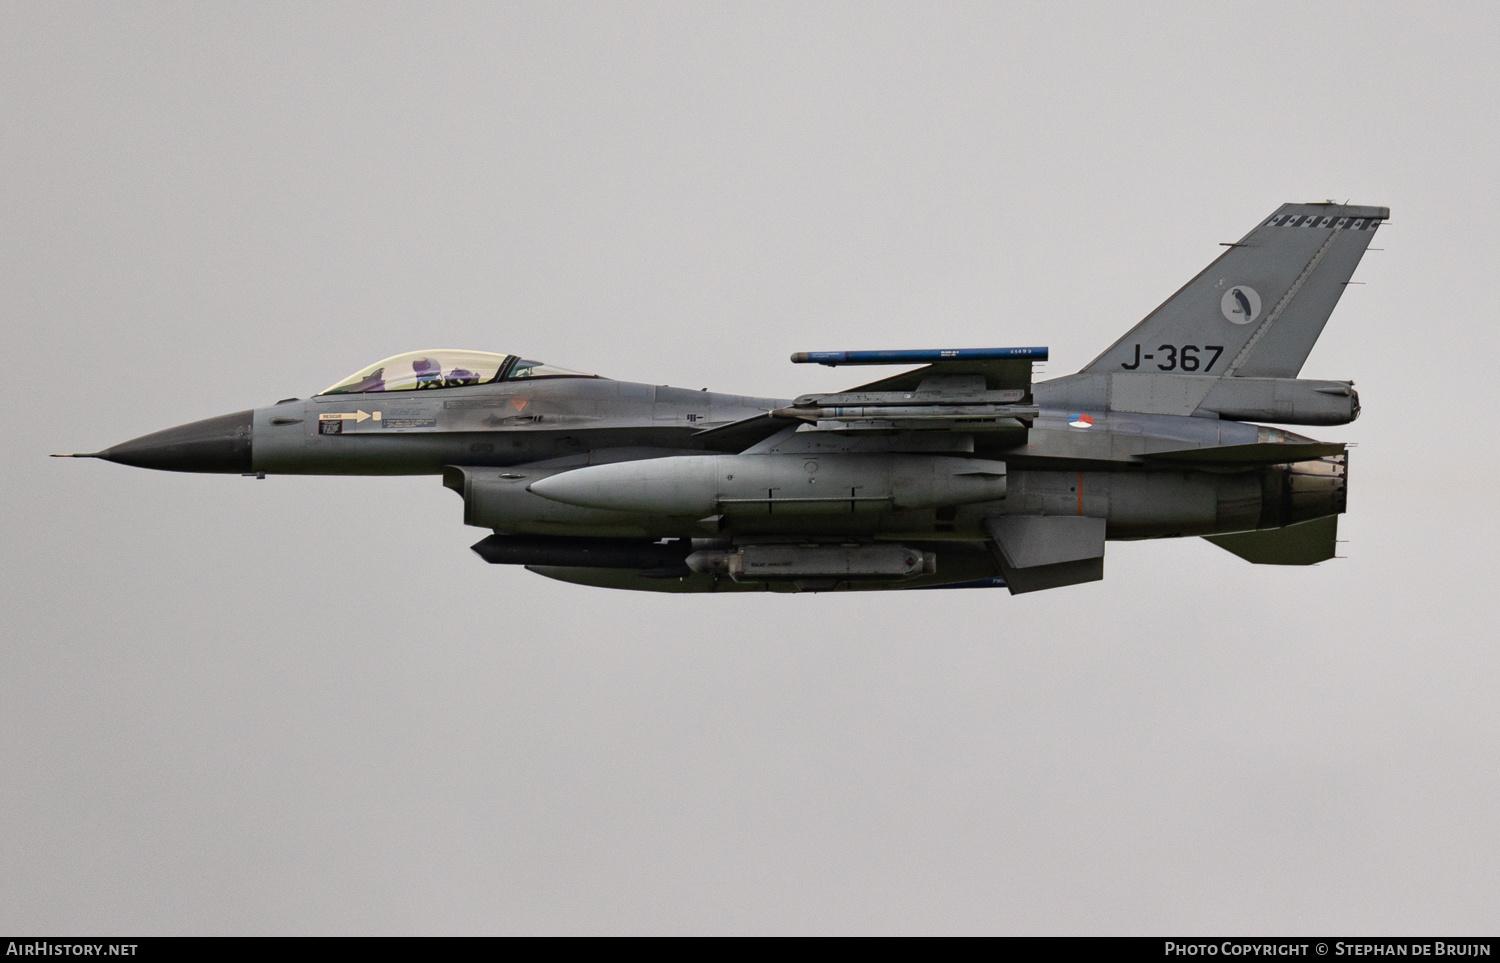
(957, 473)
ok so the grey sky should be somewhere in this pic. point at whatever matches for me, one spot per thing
(303, 706)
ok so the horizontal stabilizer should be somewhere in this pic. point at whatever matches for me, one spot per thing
(1306, 543)
(1270, 453)
(1047, 551)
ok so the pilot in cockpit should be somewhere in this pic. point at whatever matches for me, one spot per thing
(374, 381)
(429, 373)
(426, 369)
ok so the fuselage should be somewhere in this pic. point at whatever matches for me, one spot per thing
(1096, 463)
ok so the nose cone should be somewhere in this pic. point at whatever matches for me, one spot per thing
(219, 444)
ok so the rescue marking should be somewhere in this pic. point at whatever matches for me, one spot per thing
(355, 416)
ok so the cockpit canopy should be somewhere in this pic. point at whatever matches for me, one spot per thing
(446, 368)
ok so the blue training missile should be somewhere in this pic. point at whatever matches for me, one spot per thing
(918, 356)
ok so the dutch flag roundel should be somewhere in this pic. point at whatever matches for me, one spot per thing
(1081, 420)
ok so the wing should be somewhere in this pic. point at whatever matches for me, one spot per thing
(968, 390)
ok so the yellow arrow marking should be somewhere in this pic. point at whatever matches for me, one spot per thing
(355, 416)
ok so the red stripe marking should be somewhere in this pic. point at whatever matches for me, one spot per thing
(1080, 493)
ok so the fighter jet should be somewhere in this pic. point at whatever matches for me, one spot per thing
(960, 472)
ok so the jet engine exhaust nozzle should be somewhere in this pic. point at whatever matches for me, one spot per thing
(1305, 490)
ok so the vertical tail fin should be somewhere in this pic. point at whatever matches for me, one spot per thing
(1259, 308)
